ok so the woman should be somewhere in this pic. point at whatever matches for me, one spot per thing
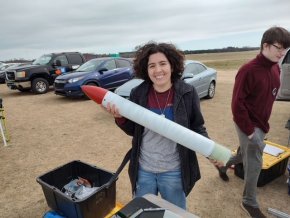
(157, 164)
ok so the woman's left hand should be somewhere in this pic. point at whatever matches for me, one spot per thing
(112, 109)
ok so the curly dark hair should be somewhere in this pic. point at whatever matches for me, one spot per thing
(174, 56)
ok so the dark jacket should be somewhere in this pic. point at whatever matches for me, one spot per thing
(187, 113)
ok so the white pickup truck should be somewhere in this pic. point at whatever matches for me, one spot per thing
(284, 91)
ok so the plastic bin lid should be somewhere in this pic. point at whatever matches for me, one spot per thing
(269, 160)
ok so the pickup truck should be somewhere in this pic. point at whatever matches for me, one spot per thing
(41, 74)
(284, 91)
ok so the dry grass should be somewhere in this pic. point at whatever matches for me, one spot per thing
(224, 61)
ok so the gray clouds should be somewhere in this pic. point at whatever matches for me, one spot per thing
(30, 28)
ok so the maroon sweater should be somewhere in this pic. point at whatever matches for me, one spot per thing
(255, 90)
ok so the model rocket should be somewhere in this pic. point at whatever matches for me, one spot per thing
(159, 124)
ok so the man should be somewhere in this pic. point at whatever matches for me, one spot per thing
(255, 89)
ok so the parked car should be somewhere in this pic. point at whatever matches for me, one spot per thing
(108, 73)
(195, 73)
(284, 91)
(3, 67)
(41, 74)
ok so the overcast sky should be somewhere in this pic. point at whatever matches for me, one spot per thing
(30, 28)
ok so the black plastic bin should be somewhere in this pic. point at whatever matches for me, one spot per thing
(273, 166)
(266, 175)
(96, 205)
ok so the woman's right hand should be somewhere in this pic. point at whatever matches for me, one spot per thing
(217, 163)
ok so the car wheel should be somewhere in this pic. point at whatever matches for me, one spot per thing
(211, 90)
(39, 86)
(91, 84)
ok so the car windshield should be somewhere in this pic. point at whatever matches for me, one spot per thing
(3, 67)
(187, 69)
(42, 60)
(90, 66)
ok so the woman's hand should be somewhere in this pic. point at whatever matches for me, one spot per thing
(112, 109)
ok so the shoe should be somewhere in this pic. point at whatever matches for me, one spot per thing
(223, 173)
(252, 211)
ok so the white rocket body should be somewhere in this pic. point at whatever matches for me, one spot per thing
(167, 128)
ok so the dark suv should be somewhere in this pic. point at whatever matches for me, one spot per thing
(41, 74)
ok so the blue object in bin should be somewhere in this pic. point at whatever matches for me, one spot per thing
(52, 214)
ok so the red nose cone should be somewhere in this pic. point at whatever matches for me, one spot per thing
(95, 93)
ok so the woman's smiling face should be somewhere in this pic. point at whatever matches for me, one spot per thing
(159, 71)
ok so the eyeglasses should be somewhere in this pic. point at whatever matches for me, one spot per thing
(280, 49)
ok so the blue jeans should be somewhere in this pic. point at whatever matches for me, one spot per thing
(168, 184)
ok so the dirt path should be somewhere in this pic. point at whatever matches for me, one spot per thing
(48, 131)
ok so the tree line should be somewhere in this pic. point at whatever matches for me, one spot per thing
(132, 53)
